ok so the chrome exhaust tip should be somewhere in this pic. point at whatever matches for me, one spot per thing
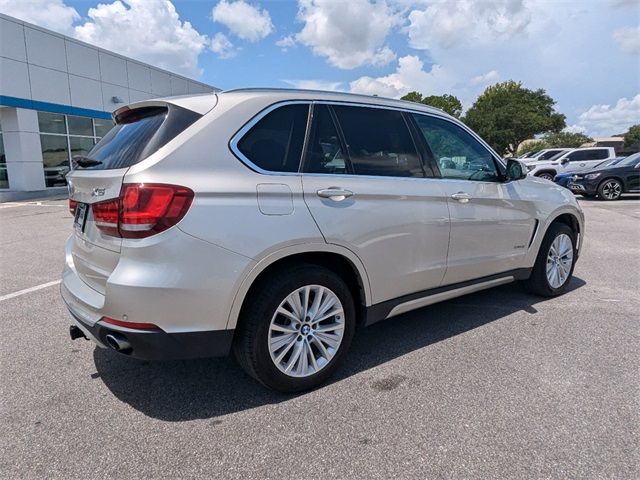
(118, 342)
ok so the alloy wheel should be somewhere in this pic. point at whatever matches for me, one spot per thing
(546, 176)
(306, 331)
(559, 260)
(612, 190)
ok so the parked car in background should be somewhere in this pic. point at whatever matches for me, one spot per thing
(545, 154)
(563, 179)
(571, 160)
(271, 223)
(608, 181)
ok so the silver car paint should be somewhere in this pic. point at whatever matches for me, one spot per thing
(395, 232)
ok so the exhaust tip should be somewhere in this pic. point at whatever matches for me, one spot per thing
(118, 342)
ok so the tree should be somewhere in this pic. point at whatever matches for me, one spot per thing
(632, 137)
(566, 139)
(507, 114)
(446, 102)
(532, 146)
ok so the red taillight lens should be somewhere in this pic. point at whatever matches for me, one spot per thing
(142, 210)
(106, 214)
(135, 325)
(72, 207)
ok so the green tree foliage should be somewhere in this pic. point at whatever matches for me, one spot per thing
(632, 137)
(446, 102)
(507, 114)
(566, 139)
(534, 146)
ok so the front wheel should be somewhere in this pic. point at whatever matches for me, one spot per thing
(610, 189)
(546, 176)
(554, 265)
(296, 328)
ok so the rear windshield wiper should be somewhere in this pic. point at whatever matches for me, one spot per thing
(85, 162)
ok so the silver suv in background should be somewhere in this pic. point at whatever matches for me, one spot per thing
(272, 223)
(572, 159)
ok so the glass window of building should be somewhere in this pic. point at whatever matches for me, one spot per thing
(64, 136)
(4, 179)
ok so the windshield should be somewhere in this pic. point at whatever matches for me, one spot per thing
(557, 156)
(630, 160)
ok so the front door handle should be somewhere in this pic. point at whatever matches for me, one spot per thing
(462, 197)
(335, 194)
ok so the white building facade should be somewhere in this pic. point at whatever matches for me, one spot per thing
(56, 99)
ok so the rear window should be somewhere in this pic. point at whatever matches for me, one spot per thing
(137, 134)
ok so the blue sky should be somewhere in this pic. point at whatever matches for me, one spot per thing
(585, 53)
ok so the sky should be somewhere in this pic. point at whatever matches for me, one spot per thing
(584, 53)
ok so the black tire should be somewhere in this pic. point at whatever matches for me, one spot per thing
(610, 189)
(252, 335)
(538, 282)
(546, 175)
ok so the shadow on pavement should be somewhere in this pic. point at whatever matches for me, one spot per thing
(208, 388)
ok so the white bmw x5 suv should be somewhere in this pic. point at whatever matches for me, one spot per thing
(272, 223)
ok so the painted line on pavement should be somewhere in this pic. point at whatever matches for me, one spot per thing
(28, 290)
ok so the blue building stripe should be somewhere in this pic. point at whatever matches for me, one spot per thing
(52, 107)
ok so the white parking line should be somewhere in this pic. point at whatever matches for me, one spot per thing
(28, 290)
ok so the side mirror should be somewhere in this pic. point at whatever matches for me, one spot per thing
(564, 161)
(516, 170)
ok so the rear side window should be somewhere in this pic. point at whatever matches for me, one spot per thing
(137, 134)
(275, 142)
(378, 142)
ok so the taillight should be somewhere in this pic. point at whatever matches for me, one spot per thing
(72, 207)
(142, 210)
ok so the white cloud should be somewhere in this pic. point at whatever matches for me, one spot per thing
(607, 120)
(246, 21)
(52, 14)
(286, 42)
(629, 39)
(316, 85)
(575, 129)
(222, 46)
(409, 75)
(449, 23)
(148, 30)
(485, 79)
(349, 34)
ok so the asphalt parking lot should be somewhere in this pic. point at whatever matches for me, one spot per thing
(499, 384)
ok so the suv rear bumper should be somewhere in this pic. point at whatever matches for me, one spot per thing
(157, 344)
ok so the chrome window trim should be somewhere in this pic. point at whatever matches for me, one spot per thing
(235, 139)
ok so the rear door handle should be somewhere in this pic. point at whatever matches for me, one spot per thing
(462, 197)
(335, 194)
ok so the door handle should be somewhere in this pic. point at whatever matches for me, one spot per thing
(335, 194)
(462, 197)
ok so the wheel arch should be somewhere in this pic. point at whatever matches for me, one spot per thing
(546, 170)
(340, 260)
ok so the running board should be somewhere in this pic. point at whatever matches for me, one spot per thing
(406, 303)
(441, 297)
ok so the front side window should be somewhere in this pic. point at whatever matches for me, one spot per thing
(378, 142)
(275, 142)
(458, 155)
(578, 156)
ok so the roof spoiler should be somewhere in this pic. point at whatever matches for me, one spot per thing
(201, 104)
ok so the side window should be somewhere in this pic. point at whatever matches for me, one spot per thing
(324, 154)
(275, 142)
(599, 154)
(378, 142)
(457, 153)
(578, 156)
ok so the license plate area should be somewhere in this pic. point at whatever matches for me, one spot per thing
(81, 216)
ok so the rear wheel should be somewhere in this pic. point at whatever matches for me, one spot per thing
(610, 189)
(554, 265)
(296, 328)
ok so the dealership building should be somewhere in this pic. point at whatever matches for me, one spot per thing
(56, 99)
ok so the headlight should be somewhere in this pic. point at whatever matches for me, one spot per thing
(592, 176)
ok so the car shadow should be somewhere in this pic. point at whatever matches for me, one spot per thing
(208, 388)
